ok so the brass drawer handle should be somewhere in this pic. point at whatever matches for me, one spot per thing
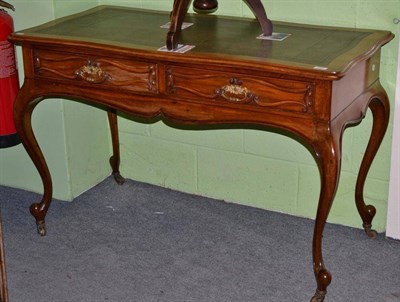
(92, 73)
(235, 92)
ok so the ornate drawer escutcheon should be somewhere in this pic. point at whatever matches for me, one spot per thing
(92, 73)
(235, 92)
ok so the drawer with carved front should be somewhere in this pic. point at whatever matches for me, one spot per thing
(271, 93)
(108, 72)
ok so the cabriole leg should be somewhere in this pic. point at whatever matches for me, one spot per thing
(379, 106)
(328, 153)
(24, 105)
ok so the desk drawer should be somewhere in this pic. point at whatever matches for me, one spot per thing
(102, 71)
(218, 86)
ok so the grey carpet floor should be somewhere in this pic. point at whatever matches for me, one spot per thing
(139, 242)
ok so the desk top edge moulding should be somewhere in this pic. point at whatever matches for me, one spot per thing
(312, 86)
(255, 52)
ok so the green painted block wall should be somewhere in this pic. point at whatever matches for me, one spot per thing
(260, 169)
(73, 137)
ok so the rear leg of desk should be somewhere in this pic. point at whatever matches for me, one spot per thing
(115, 158)
(379, 106)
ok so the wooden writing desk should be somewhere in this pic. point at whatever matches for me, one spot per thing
(311, 85)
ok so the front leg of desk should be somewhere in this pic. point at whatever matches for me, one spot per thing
(328, 155)
(26, 101)
(379, 106)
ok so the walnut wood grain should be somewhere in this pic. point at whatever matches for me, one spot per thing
(109, 72)
(312, 89)
(265, 92)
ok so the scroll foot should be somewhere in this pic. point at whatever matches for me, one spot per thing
(380, 108)
(367, 225)
(41, 228)
(39, 213)
(319, 296)
(118, 178)
(324, 278)
(114, 162)
(369, 231)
